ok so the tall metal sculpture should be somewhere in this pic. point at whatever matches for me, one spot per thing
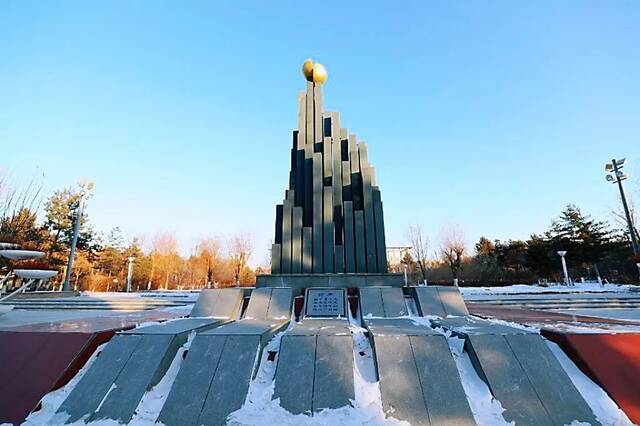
(331, 218)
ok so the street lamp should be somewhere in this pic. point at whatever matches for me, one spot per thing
(85, 189)
(129, 273)
(617, 177)
(562, 253)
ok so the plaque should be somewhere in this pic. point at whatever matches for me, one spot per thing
(325, 302)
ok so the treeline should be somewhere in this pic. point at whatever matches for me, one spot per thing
(594, 249)
(46, 224)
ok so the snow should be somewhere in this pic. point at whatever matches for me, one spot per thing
(152, 401)
(604, 408)
(486, 410)
(551, 288)
(260, 409)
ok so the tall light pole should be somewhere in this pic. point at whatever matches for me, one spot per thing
(562, 253)
(84, 190)
(617, 177)
(129, 273)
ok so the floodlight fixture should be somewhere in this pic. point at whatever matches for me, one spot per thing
(608, 167)
(620, 162)
(611, 179)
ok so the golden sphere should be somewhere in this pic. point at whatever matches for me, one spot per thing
(319, 74)
(307, 69)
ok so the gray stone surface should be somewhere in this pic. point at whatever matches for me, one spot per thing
(330, 280)
(315, 366)
(361, 256)
(96, 382)
(287, 219)
(143, 370)
(276, 257)
(369, 219)
(318, 229)
(371, 302)
(382, 302)
(219, 303)
(440, 301)
(177, 326)
(398, 327)
(381, 243)
(327, 327)
(333, 376)
(220, 364)
(189, 391)
(393, 301)
(465, 326)
(399, 384)
(328, 225)
(452, 301)
(230, 384)
(295, 373)
(280, 304)
(325, 302)
(440, 382)
(507, 380)
(296, 241)
(258, 303)
(307, 250)
(553, 386)
(349, 243)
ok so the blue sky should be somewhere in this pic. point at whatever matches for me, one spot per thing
(489, 115)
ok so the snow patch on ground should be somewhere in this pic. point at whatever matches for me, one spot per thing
(260, 409)
(152, 401)
(551, 288)
(604, 408)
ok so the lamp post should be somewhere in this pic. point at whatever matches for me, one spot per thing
(85, 188)
(562, 253)
(130, 273)
(617, 177)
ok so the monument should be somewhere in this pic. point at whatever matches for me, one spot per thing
(331, 219)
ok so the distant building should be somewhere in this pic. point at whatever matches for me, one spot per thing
(395, 256)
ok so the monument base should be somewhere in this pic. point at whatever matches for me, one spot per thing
(330, 280)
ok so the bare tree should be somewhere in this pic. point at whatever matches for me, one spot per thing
(419, 247)
(452, 248)
(620, 218)
(240, 248)
(208, 252)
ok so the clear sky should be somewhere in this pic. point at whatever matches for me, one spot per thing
(490, 115)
